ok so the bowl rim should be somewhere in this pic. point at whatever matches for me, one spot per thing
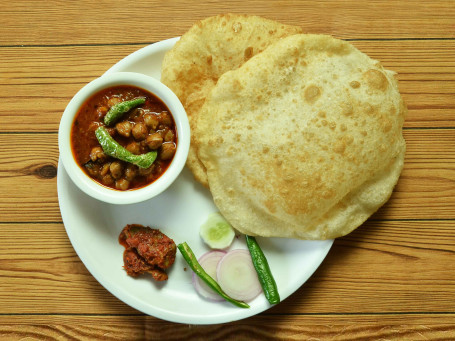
(90, 186)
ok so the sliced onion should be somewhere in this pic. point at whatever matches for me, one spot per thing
(209, 262)
(237, 276)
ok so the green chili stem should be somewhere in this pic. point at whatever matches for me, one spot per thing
(117, 110)
(114, 149)
(263, 270)
(190, 258)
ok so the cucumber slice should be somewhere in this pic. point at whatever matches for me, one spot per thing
(216, 232)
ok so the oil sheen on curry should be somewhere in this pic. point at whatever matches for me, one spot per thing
(135, 121)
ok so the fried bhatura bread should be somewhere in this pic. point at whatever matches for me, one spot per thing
(304, 140)
(210, 48)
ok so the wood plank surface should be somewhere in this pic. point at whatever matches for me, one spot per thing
(357, 266)
(292, 328)
(37, 83)
(318, 309)
(425, 190)
(72, 22)
(391, 279)
(29, 173)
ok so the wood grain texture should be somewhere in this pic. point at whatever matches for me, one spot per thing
(69, 22)
(36, 83)
(289, 328)
(28, 174)
(425, 190)
(391, 279)
(358, 266)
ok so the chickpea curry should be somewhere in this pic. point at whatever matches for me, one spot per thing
(124, 137)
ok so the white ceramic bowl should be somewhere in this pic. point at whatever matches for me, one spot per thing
(91, 187)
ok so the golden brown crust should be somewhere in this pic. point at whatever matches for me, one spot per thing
(210, 48)
(293, 149)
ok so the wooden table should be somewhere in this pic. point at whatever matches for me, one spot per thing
(393, 278)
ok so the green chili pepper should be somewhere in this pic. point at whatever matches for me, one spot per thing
(112, 148)
(117, 110)
(263, 270)
(190, 258)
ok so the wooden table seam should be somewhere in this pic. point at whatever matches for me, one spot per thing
(153, 42)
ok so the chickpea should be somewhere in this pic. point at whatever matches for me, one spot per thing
(131, 172)
(122, 184)
(154, 141)
(97, 154)
(134, 147)
(93, 169)
(124, 128)
(113, 101)
(167, 151)
(163, 130)
(101, 111)
(169, 136)
(165, 118)
(116, 169)
(139, 131)
(108, 179)
(105, 169)
(151, 121)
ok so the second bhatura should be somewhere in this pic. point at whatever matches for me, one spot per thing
(210, 48)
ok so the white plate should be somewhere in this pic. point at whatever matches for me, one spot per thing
(93, 228)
